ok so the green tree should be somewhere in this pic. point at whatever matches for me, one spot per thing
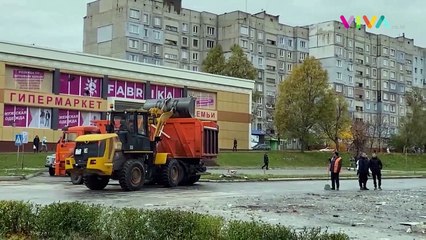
(334, 117)
(412, 128)
(301, 100)
(238, 65)
(215, 61)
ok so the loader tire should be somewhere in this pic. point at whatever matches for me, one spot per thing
(132, 176)
(51, 171)
(95, 182)
(191, 180)
(171, 174)
(76, 179)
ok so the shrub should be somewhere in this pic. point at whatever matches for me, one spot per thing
(19, 220)
(61, 220)
(16, 218)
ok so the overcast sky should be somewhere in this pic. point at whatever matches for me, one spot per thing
(59, 23)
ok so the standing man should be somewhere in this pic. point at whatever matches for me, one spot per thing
(335, 167)
(376, 169)
(234, 149)
(363, 167)
(265, 161)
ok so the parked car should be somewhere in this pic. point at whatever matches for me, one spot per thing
(327, 149)
(262, 146)
(50, 163)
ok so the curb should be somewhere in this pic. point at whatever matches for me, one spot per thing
(20, 178)
(300, 179)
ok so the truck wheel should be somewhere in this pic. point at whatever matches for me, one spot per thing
(51, 171)
(95, 182)
(132, 176)
(188, 181)
(76, 179)
(172, 173)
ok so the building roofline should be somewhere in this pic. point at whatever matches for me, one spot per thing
(120, 64)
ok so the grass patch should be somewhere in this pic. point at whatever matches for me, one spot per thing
(280, 159)
(32, 163)
(73, 220)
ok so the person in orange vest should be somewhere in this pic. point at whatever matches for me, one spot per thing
(335, 167)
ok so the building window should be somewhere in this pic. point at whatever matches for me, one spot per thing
(368, 106)
(282, 65)
(282, 52)
(367, 48)
(351, 81)
(133, 43)
(385, 96)
(385, 73)
(392, 97)
(157, 62)
(145, 47)
(385, 50)
(303, 56)
(244, 43)
(289, 67)
(171, 28)
(392, 63)
(252, 34)
(339, 75)
(385, 85)
(135, 14)
(195, 56)
(290, 55)
(367, 71)
(145, 19)
(184, 27)
(260, 36)
(157, 35)
(244, 30)
(251, 46)
(385, 62)
(184, 41)
(339, 63)
(210, 30)
(184, 54)
(157, 21)
(350, 91)
(195, 43)
(145, 32)
(133, 57)
(290, 43)
(392, 75)
(210, 43)
(259, 48)
(195, 68)
(195, 29)
(156, 49)
(134, 28)
(367, 95)
(367, 59)
(339, 88)
(302, 44)
(392, 52)
(374, 72)
(260, 61)
(338, 38)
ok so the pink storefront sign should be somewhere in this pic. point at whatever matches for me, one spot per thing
(80, 85)
(125, 89)
(162, 92)
(28, 79)
(15, 116)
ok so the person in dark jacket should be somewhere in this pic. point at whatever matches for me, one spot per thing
(363, 168)
(36, 144)
(376, 170)
(265, 161)
(335, 168)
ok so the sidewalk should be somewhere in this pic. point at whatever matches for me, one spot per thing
(309, 171)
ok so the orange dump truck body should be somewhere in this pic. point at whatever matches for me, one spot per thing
(186, 138)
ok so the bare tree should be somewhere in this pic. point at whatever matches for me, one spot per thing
(360, 136)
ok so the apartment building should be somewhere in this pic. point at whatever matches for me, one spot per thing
(372, 71)
(162, 32)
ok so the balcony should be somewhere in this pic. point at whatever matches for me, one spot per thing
(359, 50)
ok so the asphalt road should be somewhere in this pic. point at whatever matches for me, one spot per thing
(361, 214)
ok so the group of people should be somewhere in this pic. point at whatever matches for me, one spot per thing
(364, 166)
(36, 144)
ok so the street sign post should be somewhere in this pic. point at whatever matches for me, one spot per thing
(24, 141)
(18, 143)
